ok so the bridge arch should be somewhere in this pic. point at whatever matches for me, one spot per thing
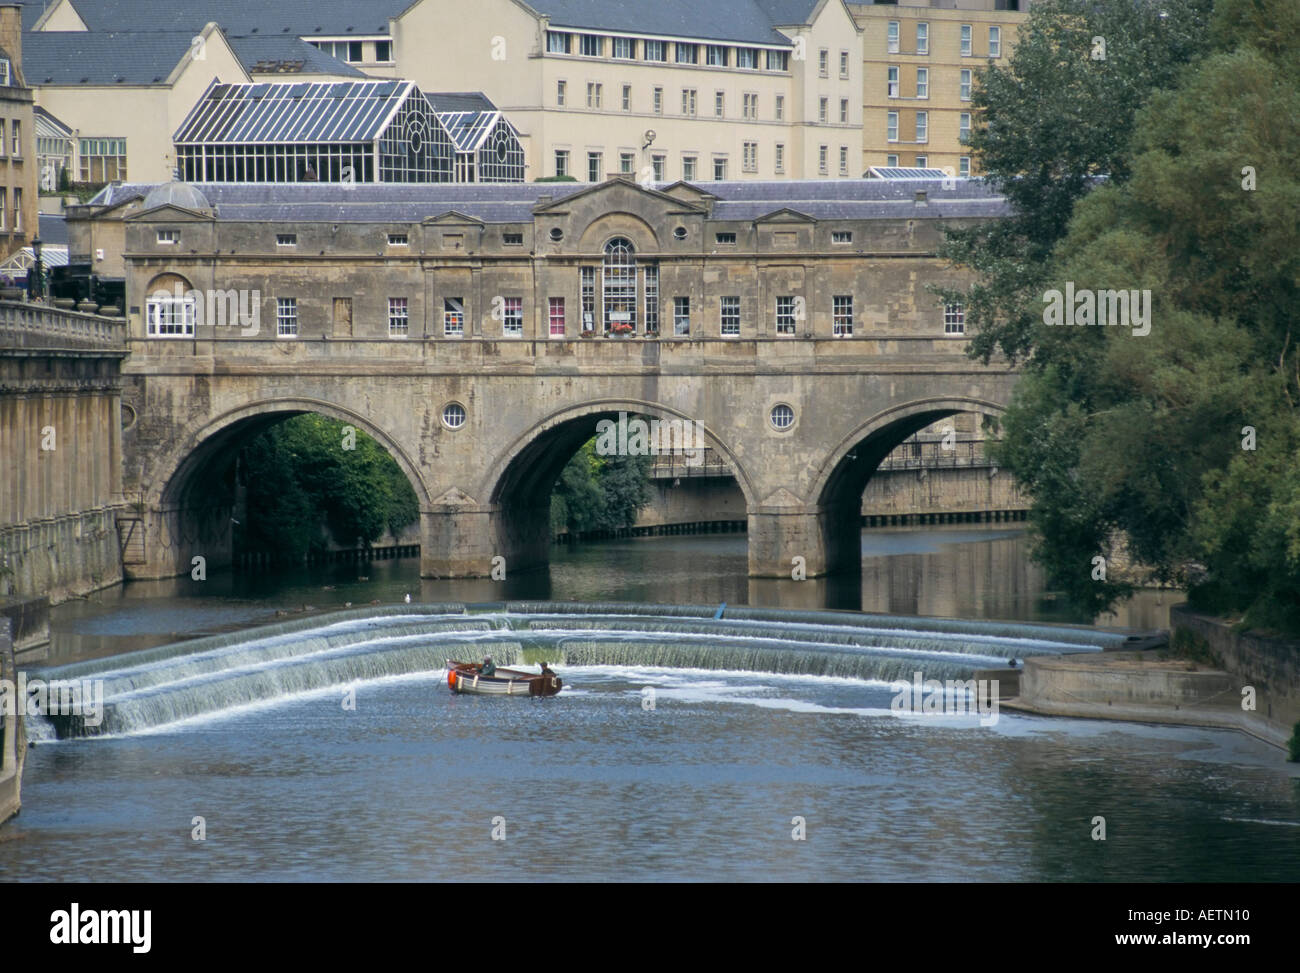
(843, 475)
(518, 483)
(182, 518)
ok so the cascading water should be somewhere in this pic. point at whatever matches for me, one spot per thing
(161, 686)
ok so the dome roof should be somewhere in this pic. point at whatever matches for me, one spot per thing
(176, 194)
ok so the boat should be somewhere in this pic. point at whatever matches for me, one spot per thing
(467, 677)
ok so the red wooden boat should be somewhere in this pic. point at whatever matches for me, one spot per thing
(467, 677)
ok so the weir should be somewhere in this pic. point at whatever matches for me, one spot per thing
(157, 688)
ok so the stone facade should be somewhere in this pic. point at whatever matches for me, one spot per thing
(482, 423)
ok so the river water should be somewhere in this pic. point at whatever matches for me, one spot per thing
(760, 746)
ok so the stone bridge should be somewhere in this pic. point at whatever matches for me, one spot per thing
(484, 487)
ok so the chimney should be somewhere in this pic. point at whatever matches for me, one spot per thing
(921, 198)
(11, 35)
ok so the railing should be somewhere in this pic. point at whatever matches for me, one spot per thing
(24, 325)
(673, 465)
(917, 454)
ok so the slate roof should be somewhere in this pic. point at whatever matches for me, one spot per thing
(81, 57)
(724, 20)
(53, 230)
(258, 49)
(859, 199)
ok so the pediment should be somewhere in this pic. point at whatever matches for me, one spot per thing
(452, 218)
(172, 214)
(620, 188)
(785, 215)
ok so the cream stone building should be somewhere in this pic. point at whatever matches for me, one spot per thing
(918, 76)
(18, 183)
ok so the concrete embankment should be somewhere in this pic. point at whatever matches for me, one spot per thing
(1221, 680)
(13, 742)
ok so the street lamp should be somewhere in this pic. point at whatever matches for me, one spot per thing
(35, 286)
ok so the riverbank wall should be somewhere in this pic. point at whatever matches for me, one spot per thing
(13, 739)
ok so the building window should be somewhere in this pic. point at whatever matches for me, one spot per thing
(18, 139)
(167, 237)
(821, 159)
(557, 42)
(922, 38)
(453, 317)
(963, 167)
(954, 319)
(750, 105)
(681, 315)
(168, 316)
(659, 101)
(842, 316)
(963, 128)
(627, 97)
(4, 195)
(716, 55)
(4, 71)
(593, 94)
(512, 319)
(891, 126)
(749, 161)
(688, 53)
(652, 299)
(923, 82)
(453, 415)
(688, 101)
(626, 162)
(891, 84)
(102, 160)
(555, 314)
(778, 60)
(625, 48)
(398, 317)
(384, 51)
(559, 92)
(618, 283)
(719, 104)
(823, 63)
(689, 167)
(593, 166)
(844, 111)
(780, 107)
(746, 57)
(286, 239)
(587, 276)
(590, 45)
(398, 240)
(730, 323)
(841, 236)
(891, 37)
(823, 110)
(844, 65)
(654, 51)
(561, 162)
(995, 42)
(286, 317)
(922, 126)
(922, 161)
(891, 161)
(785, 315)
(782, 416)
(657, 165)
(512, 239)
(725, 239)
(779, 165)
(965, 40)
(719, 167)
(844, 160)
(965, 84)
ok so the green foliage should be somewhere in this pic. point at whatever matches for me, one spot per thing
(1294, 745)
(1047, 125)
(1145, 437)
(299, 477)
(600, 493)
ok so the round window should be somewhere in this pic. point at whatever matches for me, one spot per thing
(453, 415)
(557, 234)
(782, 416)
(679, 233)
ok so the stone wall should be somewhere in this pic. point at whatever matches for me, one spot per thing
(13, 740)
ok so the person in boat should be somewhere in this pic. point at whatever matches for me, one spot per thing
(488, 667)
(546, 670)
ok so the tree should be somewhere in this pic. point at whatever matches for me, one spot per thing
(600, 493)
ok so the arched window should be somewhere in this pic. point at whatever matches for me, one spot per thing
(618, 279)
(170, 307)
